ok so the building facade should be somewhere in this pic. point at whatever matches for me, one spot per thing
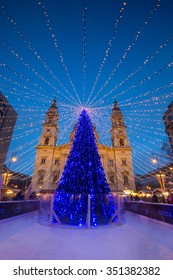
(8, 118)
(50, 158)
(168, 121)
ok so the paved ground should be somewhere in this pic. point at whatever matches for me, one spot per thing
(139, 238)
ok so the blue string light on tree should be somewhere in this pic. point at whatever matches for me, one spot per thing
(83, 174)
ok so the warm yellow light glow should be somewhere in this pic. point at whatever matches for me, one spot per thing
(9, 191)
(165, 193)
(154, 160)
(127, 192)
(13, 159)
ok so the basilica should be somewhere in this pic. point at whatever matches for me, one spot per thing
(51, 158)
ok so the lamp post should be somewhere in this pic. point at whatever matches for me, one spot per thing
(13, 158)
(159, 175)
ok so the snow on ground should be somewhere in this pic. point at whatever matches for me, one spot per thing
(139, 238)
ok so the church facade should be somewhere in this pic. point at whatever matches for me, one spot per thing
(51, 158)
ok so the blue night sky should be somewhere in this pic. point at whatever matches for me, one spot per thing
(87, 57)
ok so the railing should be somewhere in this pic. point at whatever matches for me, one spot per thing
(162, 212)
(81, 209)
(14, 208)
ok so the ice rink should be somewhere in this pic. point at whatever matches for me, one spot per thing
(139, 238)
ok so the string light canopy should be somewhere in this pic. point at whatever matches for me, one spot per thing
(86, 55)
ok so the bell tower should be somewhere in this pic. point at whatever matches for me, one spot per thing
(45, 168)
(122, 151)
(50, 127)
(118, 131)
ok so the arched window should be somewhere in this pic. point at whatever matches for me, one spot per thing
(55, 176)
(46, 142)
(124, 161)
(126, 181)
(43, 160)
(121, 142)
(111, 179)
(50, 118)
(41, 176)
(57, 162)
(119, 120)
(55, 179)
(110, 162)
(125, 178)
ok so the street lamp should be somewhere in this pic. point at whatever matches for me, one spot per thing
(155, 160)
(13, 158)
(160, 175)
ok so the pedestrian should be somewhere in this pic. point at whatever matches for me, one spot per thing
(163, 200)
(33, 196)
(19, 196)
(170, 198)
(154, 198)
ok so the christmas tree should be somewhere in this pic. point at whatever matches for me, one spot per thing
(83, 174)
